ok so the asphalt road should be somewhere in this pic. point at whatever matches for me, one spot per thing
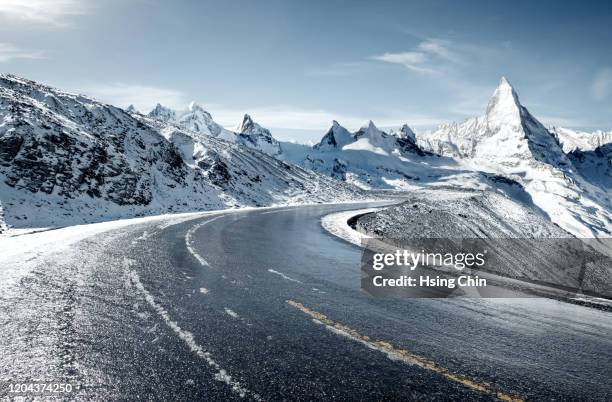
(266, 305)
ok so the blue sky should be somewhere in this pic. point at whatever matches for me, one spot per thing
(296, 65)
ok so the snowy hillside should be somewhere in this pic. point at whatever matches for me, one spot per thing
(68, 159)
(509, 141)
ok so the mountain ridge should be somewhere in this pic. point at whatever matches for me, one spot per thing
(68, 159)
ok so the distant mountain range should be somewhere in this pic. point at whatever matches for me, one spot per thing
(70, 152)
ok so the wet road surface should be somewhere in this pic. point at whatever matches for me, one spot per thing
(266, 305)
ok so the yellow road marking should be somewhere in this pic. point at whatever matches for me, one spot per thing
(402, 354)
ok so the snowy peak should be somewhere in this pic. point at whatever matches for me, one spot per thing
(193, 107)
(255, 136)
(506, 131)
(131, 109)
(198, 120)
(250, 128)
(336, 137)
(407, 133)
(504, 106)
(194, 118)
(163, 113)
(247, 125)
(369, 130)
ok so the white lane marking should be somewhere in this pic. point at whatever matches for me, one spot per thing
(284, 276)
(231, 313)
(204, 291)
(186, 336)
(188, 238)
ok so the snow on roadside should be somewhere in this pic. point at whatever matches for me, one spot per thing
(20, 253)
(337, 225)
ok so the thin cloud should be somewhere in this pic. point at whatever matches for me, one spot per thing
(50, 13)
(602, 84)
(414, 61)
(439, 56)
(428, 57)
(143, 97)
(9, 52)
(440, 48)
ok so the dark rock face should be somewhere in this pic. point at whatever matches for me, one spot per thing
(339, 170)
(218, 172)
(595, 165)
(10, 144)
(56, 143)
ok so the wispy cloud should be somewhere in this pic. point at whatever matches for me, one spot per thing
(602, 84)
(143, 97)
(50, 13)
(415, 61)
(10, 52)
(440, 48)
(428, 57)
(437, 56)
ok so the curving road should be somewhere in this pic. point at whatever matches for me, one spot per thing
(266, 305)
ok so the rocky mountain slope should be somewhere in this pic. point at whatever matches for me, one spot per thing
(67, 159)
(520, 240)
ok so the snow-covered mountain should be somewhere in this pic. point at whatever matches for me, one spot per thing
(371, 158)
(335, 138)
(571, 140)
(194, 119)
(68, 159)
(509, 141)
(255, 136)
(198, 120)
(506, 131)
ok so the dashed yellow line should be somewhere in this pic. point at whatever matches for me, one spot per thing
(402, 354)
